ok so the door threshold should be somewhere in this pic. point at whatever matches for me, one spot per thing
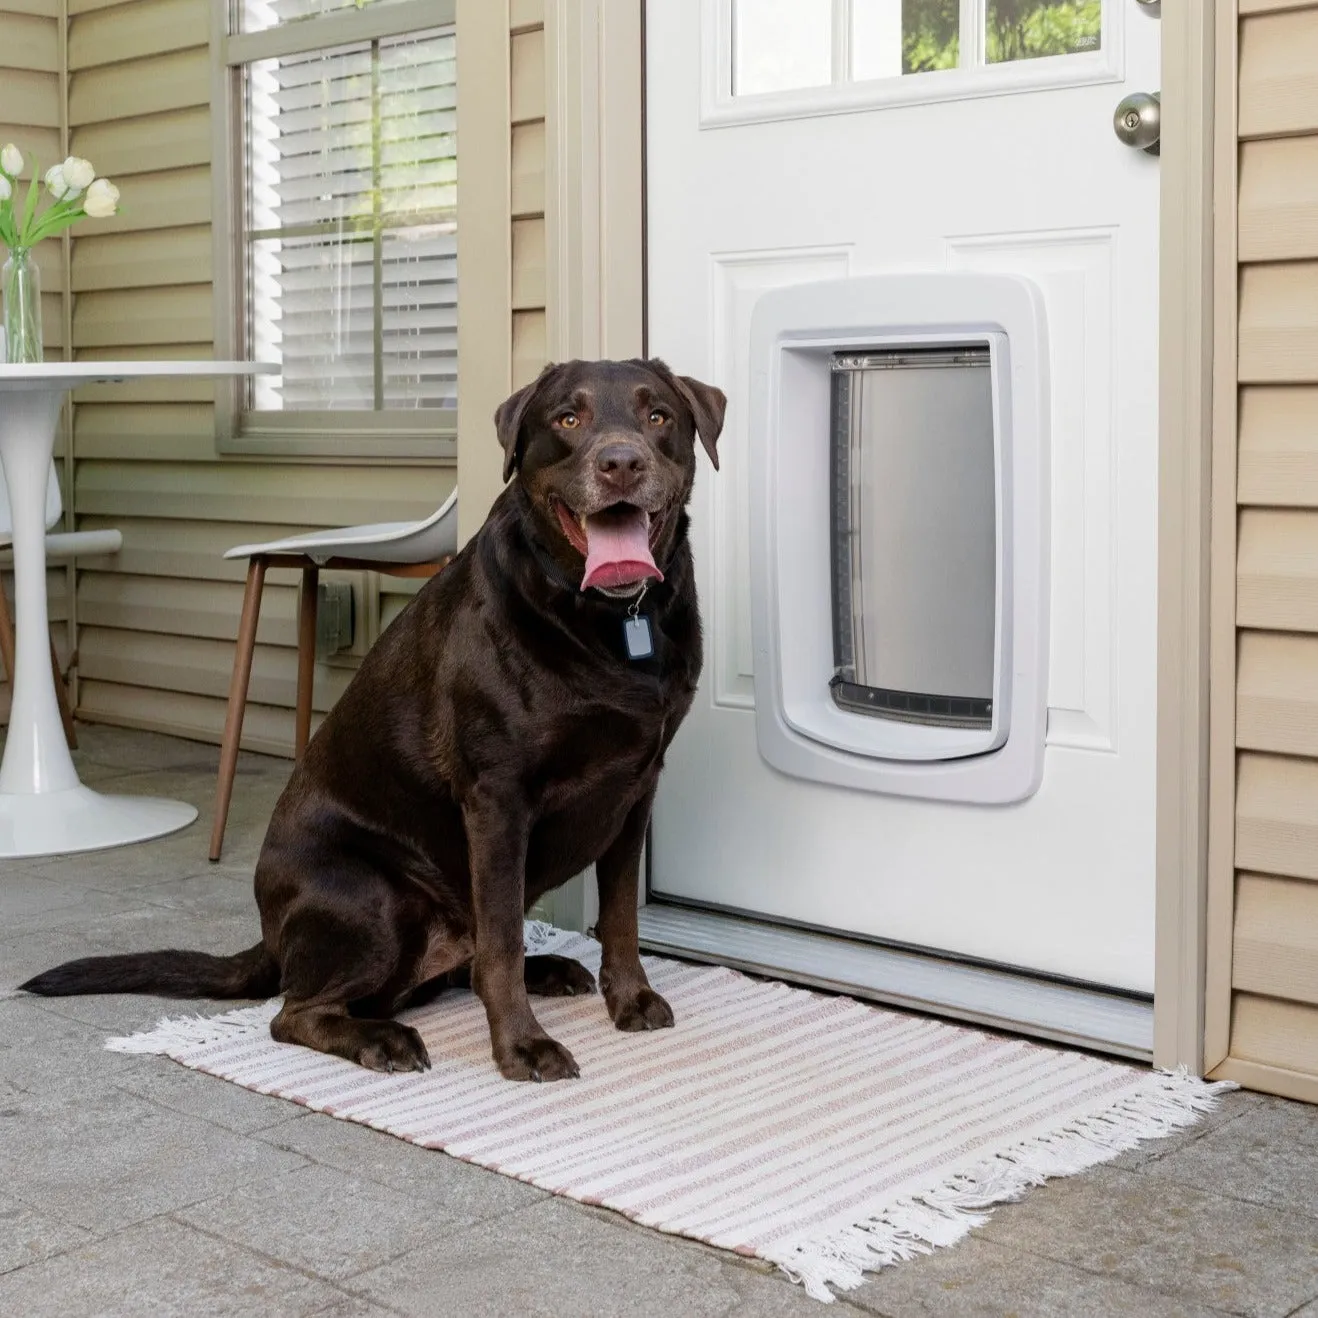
(1004, 1000)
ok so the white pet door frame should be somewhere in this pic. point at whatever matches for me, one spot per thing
(824, 711)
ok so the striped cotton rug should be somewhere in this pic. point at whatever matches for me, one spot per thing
(825, 1135)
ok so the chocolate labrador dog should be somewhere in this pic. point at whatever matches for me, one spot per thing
(506, 732)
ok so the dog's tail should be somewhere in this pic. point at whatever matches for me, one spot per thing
(250, 974)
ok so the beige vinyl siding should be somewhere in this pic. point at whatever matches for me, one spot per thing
(502, 341)
(32, 115)
(158, 622)
(528, 190)
(1273, 1031)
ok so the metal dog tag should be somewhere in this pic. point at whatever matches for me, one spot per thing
(636, 636)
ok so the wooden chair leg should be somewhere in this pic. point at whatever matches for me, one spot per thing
(62, 697)
(233, 719)
(6, 637)
(306, 658)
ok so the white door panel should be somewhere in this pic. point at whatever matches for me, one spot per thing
(1033, 182)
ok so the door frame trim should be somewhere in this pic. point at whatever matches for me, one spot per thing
(1185, 433)
(595, 233)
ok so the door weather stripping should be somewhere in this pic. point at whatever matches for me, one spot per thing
(1063, 1013)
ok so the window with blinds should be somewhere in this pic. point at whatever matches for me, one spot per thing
(349, 234)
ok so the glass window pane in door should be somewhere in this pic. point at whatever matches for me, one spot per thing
(876, 39)
(1030, 29)
(780, 45)
(931, 34)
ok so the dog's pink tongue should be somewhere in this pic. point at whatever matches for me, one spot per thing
(618, 549)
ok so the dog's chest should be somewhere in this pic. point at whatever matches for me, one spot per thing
(602, 756)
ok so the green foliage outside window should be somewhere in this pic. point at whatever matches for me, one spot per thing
(930, 34)
(1026, 29)
(1015, 30)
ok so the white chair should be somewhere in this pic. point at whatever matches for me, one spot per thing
(60, 548)
(398, 549)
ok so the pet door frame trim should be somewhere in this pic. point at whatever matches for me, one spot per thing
(801, 730)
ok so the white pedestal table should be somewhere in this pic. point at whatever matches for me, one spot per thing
(44, 809)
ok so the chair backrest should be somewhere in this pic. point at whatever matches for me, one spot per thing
(54, 505)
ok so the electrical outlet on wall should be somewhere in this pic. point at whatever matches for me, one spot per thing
(334, 618)
(364, 588)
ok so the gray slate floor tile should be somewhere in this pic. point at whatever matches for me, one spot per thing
(27, 1236)
(78, 918)
(978, 1277)
(128, 750)
(212, 894)
(764, 1292)
(1172, 1238)
(555, 1259)
(27, 897)
(43, 1052)
(425, 1175)
(165, 1269)
(1241, 1159)
(1231, 1107)
(323, 1221)
(105, 1159)
(199, 1095)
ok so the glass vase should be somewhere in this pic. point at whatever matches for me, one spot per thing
(20, 288)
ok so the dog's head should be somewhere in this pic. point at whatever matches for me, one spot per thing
(606, 452)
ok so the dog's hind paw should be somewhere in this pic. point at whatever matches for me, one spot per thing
(393, 1047)
(550, 976)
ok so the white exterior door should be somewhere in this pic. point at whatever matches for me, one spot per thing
(786, 144)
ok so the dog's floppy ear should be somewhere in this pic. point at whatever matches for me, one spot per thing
(510, 414)
(707, 405)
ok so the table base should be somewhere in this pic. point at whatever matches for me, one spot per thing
(79, 819)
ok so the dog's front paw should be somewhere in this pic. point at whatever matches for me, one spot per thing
(536, 1059)
(642, 1010)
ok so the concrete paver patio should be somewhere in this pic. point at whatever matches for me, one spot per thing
(130, 1185)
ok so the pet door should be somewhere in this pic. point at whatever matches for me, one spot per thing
(899, 530)
(913, 519)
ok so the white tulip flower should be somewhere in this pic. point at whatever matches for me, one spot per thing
(78, 173)
(55, 182)
(102, 199)
(11, 160)
(6, 188)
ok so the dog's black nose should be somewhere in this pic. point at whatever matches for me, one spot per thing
(622, 465)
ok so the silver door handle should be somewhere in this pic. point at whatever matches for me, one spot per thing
(1137, 121)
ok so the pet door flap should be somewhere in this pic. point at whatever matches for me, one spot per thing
(913, 521)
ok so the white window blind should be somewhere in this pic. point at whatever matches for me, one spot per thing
(259, 15)
(350, 166)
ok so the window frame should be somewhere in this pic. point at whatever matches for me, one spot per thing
(422, 434)
(972, 79)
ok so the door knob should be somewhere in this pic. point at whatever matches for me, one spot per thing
(1138, 121)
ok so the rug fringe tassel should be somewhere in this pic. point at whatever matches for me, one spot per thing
(178, 1032)
(539, 937)
(1169, 1101)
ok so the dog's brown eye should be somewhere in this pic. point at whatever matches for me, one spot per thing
(569, 421)
(657, 418)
